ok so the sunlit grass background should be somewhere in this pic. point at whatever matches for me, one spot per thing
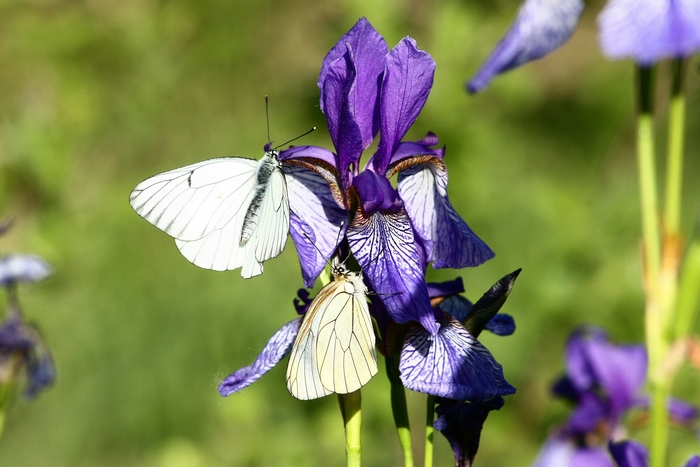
(97, 95)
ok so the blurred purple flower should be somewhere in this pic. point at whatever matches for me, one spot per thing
(540, 27)
(22, 268)
(634, 454)
(21, 344)
(604, 381)
(643, 30)
(650, 30)
(368, 89)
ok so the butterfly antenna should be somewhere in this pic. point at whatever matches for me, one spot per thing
(294, 139)
(267, 118)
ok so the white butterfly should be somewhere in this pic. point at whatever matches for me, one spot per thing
(223, 213)
(334, 350)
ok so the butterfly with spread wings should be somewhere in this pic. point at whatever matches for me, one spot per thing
(334, 350)
(224, 213)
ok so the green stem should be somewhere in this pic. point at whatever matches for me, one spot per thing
(659, 425)
(429, 430)
(688, 292)
(647, 176)
(674, 172)
(352, 415)
(400, 411)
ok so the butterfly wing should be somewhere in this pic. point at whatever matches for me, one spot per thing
(203, 206)
(270, 219)
(345, 350)
(334, 350)
(303, 378)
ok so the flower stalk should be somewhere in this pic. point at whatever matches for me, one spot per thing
(429, 430)
(399, 409)
(352, 416)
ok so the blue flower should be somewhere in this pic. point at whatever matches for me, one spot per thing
(634, 454)
(367, 89)
(604, 382)
(643, 30)
(454, 366)
(21, 344)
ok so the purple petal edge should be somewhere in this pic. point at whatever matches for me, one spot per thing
(278, 347)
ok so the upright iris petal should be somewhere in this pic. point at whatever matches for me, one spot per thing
(540, 27)
(650, 30)
(408, 78)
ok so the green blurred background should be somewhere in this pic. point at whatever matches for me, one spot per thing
(97, 95)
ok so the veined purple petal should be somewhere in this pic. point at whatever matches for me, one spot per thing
(408, 77)
(278, 347)
(451, 364)
(461, 423)
(629, 454)
(384, 247)
(540, 27)
(447, 238)
(650, 30)
(315, 220)
(309, 152)
(335, 98)
(369, 50)
(22, 268)
(376, 193)
(502, 325)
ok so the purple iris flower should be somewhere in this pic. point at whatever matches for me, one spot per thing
(454, 366)
(367, 89)
(643, 30)
(604, 382)
(634, 454)
(21, 344)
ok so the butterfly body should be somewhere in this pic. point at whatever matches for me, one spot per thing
(335, 348)
(224, 213)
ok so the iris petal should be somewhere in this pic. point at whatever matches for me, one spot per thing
(22, 268)
(451, 364)
(540, 27)
(315, 220)
(384, 247)
(369, 50)
(650, 30)
(629, 454)
(447, 238)
(278, 347)
(461, 423)
(408, 78)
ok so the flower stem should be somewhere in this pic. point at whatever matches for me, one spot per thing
(674, 171)
(352, 415)
(659, 424)
(400, 411)
(688, 292)
(429, 430)
(647, 175)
